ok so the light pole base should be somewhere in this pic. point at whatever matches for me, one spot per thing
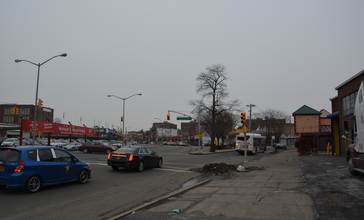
(246, 164)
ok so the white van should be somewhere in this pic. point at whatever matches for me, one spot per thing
(254, 142)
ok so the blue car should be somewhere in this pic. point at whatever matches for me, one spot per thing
(32, 167)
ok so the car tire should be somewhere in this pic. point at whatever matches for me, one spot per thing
(73, 149)
(160, 163)
(108, 151)
(140, 167)
(115, 167)
(33, 184)
(351, 167)
(83, 177)
(85, 151)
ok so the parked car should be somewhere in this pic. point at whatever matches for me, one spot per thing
(72, 146)
(280, 146)
(96, 146)
(134, 157)
(2, 139)
(182, 143)
(10, 142)
(57, 143)
(117, 144)
(33, 167)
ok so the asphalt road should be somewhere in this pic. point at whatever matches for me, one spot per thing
(336, 193)
(110, 192)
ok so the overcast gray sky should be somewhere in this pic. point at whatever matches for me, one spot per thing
(278, 54)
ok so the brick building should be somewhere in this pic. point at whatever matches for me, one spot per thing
(342, 106)
(12, 114)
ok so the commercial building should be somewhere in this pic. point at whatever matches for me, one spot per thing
(343, 109)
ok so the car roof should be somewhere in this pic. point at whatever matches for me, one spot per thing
(27, 147)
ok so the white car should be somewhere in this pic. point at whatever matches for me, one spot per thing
(10, 142)
(117, 144)
(182, 143)
(72, 146)
(57, 143)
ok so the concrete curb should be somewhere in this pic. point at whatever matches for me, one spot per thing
(158, 199)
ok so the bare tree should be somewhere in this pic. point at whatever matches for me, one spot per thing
(213, 89)
(274, 121)
(227, 121)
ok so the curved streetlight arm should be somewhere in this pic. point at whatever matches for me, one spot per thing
(115, 96)
(40, 64)
(132, 96)
(123, 98)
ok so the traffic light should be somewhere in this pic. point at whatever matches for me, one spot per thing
(40, 103)
(16, 111)
(12, 110)
(122, 118)
(168, 116)
(243, 118)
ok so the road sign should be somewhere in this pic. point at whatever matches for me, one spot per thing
(200, 134)
(184, 118)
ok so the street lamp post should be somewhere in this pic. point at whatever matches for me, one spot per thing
(162, 130)
(123, 108)
(36, 91)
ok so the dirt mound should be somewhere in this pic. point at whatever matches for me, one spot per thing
(217, 168)
(223, 169)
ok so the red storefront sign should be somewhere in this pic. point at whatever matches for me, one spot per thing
(47, 127)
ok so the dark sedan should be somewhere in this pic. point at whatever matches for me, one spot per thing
(96, 146)
(134, 157)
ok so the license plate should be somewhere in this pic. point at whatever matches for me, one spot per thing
(2, 168)
(118, 158)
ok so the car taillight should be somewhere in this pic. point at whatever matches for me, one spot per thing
(131, 157)
(19, 167)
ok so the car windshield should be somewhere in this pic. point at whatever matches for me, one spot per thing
(9, 155)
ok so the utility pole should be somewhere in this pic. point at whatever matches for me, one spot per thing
(250, 116)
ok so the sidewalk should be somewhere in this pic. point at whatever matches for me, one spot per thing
(271, 193)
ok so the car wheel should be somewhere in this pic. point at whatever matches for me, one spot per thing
(85, 151)
(351, 167)
(108, 151)
(73, 149)
(83, 176)
(140, 167)
(33, 184)
(160, 163)
(114, 167)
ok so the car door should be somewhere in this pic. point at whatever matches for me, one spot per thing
(48, 167)
(67, 168)
(151, 157)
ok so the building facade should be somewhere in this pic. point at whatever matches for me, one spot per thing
(342, 106)
(13, 114)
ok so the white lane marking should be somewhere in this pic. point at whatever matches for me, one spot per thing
(172, 169)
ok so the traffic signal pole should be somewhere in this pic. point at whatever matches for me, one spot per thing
(243, 122)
